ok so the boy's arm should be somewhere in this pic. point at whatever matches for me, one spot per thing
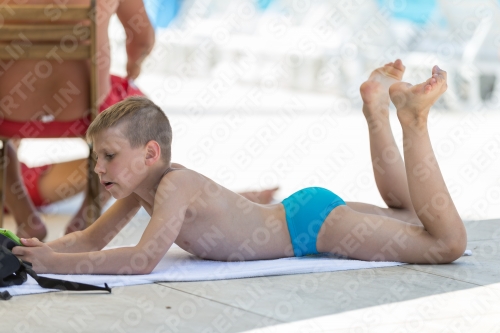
(140, 34)
(101, 232)
(170, 206)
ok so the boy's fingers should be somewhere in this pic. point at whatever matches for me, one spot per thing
(30, 241)
(18, 250)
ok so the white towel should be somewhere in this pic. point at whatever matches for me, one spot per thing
(179, 265)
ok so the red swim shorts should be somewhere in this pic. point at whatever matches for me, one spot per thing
(121, 88)
(30, 180)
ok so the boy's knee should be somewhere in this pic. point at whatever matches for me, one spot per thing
(458, 248)
(455, 249)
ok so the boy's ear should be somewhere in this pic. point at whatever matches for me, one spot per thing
(153, 152)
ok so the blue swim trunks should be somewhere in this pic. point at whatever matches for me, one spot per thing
(306, 210)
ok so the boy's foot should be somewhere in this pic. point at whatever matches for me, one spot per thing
(375, 91)
(263, 197)
(414, 102)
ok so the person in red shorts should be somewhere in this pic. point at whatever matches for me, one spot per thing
(44, 185)
(54, 93)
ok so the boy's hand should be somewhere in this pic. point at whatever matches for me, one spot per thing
(39, 254)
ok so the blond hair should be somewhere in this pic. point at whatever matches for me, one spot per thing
(144, 121)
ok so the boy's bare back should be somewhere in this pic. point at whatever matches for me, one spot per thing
(219, 224)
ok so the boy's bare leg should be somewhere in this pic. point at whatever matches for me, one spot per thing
(430, 196)
(399, 214)
(388, 166)
(28, 220)
(442, 237)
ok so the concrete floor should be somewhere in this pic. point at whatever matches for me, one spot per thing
(461, 297)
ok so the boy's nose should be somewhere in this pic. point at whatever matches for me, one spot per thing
(98, 168)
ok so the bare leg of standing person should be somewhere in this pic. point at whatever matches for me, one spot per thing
(28, 219)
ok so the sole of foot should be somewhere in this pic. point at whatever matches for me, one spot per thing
(375, 90)
(413, 102)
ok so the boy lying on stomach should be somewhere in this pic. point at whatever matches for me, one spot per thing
(132, 141)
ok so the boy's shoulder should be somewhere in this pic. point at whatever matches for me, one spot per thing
(180, 179)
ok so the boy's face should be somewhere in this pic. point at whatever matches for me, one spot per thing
(120, 167)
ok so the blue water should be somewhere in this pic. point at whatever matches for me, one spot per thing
(415, 11)
(161, 12)
(263, 4)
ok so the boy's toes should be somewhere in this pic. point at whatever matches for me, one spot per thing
(439, 76)
(396, 69)
(442, 77)
(428, 88)
(436, 71)
(399, 65)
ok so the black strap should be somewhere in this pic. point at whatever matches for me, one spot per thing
(14, 271)
(62, 284)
